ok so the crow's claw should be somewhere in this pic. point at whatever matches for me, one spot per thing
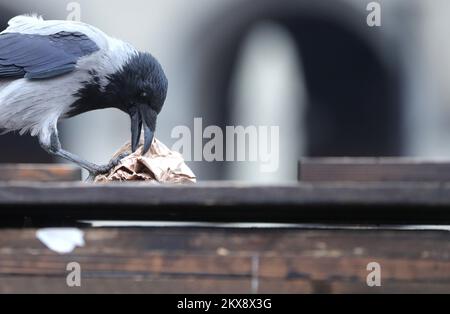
(106, 168)
(118, 159)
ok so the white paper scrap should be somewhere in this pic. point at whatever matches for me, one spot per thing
(61, 240)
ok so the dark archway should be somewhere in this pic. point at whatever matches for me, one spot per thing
(354, 105)
(354, 102)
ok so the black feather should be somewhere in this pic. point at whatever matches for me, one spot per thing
(140, 80)
(141, 75)
(90, 97)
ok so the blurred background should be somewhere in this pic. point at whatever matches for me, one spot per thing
(334, 85)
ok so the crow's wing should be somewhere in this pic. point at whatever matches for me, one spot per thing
(36, 56)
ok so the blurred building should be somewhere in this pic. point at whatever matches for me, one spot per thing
(334, 85)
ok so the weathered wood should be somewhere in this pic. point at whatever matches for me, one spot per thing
(135, 284)
(372, 170)
(210, 194)
(196, 260)
(39, 172)
(324, 202)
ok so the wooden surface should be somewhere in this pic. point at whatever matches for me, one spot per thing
(174, 260)
(320, 202)
(213, 260)
(39, 172)
(358, 197)
(372, 170)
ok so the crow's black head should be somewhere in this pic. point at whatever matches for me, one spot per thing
(140, 80)
(140, 89)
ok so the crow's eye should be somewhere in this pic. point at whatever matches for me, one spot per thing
(144, 94)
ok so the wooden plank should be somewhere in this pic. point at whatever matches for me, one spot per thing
(134, 285)
(211, 194)
(432, 244)
(403, 287)
(329, 267)
(171, 285)
(374, 203)
(39, 172)
(372, 170)
(173, 260)
(131, 265)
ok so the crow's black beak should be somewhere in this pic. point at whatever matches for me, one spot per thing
(136, 126)
(142, 117)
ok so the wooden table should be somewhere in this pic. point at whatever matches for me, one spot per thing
(316, 236)
(217, 260)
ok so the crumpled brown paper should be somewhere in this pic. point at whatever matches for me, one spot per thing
(159, 165)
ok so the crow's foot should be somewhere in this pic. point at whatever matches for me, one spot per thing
(103, 169)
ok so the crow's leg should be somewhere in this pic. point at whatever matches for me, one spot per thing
(54, 147)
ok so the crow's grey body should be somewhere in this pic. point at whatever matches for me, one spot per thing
(30, 104)
(57, 69)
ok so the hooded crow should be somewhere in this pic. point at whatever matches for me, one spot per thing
(51, 70)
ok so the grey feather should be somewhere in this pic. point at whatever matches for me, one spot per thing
(39, 56)
(42, 49)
